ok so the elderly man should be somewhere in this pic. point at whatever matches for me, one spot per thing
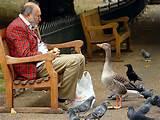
(23, 41)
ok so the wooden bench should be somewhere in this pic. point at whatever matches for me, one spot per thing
(50, 82)
(94, 28)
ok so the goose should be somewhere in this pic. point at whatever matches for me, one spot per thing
(113, 81)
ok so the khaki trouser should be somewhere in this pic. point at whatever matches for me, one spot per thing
(70, 67)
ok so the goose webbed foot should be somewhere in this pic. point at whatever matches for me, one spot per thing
(118, 102)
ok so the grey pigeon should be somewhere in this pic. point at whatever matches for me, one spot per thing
(72, 115)
(146, 55)
(98, 112)
(145, 108)
(156, 100)
(112, 96)
(147, 93)
(140, 87)
(133, 115)
(85, 106)
(132, 76)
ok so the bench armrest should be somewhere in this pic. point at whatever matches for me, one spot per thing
(98, 27)
(43, 57)
(77, 44)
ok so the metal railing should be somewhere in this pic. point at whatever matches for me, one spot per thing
(114, 6)
(47, 28)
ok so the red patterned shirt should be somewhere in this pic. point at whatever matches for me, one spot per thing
(22, 42)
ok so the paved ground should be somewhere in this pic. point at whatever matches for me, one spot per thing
(145, 34)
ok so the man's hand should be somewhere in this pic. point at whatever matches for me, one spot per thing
(56, 51)
(50, 56)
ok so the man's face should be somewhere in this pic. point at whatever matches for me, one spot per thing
(35, 16)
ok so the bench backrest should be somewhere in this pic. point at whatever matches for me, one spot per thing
(91, 18)
(7, 70)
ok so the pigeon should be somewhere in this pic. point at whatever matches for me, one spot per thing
(85, 106)
(147, 93)
(134, 115)
(156, 100)
(145, 108)
(112, 96)
(98, 112)
(146, 55)
(132, 76)
(72, 115)
(140, 87)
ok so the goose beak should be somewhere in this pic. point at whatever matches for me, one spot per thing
(99, 45)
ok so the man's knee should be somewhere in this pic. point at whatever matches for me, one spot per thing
(81, 58)
(77, 59)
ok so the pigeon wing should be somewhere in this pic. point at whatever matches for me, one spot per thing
(85, 106)
(145, 108)
(72, 115)
(98, 112)
(138, 116)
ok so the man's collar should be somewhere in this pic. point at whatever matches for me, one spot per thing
(25, 21)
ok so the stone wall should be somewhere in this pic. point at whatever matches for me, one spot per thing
(82, 5)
